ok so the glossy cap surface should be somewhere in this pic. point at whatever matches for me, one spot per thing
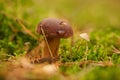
(55, 28)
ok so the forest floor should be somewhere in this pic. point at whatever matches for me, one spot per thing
(93, 53)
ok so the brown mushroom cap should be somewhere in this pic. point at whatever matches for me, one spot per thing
(55, 28)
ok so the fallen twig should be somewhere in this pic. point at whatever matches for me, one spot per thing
(26, 30)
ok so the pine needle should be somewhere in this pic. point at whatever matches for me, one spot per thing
(46, 42)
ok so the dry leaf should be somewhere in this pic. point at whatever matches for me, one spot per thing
(85, 36)
(24, 62)
(50, 69)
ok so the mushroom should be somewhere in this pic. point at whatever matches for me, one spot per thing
(52, 30)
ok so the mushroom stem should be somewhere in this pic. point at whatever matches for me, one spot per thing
(53, 44)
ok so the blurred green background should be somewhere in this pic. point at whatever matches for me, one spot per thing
(80, 13)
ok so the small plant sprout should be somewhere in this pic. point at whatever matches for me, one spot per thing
(86, 37)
